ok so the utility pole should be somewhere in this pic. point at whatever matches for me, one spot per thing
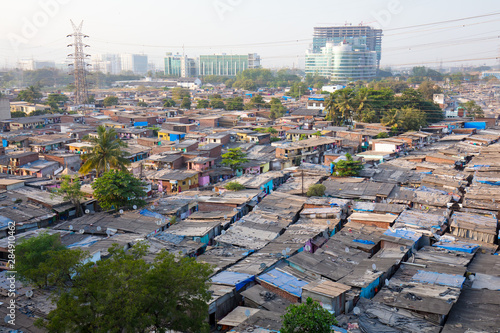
(302, 181)
(79, 64)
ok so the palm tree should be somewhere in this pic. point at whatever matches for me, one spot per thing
(106, 152)
(361, 104)
(344, 104)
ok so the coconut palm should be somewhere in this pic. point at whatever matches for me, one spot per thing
(361, 104)
(106, 152)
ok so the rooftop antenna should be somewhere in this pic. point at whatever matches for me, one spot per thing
(79, 64)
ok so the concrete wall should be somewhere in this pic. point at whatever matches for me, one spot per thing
(4, 108)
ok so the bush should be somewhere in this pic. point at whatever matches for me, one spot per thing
(234, 186)
(317, 190)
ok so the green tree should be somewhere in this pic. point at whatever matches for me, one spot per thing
(186, 103)
(277, 108)
(217, 103)
(142, 104)
(125, 293)
(234, 158)
(70, 190)
(473, 110)
(168, 103)
(298, 89)
(110, 100)
(235, 103)
(428, 89)
(234, 186)
(31, 94)
(348, 167)
(203, 104)
(44, 261)
(106, 152)
(271, 130)
(18, 114)
(179, 93)
(412, 98)
(116, 189)
(316, 190)
(56, 100)
(256, 102)
(308, 317)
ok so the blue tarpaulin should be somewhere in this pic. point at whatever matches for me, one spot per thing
(475, 124)
(362, 241)
(450, 280)
(140, 123)
(284, 281)
(238, 280)
(457, 246)
(149, 213)
(402, 233)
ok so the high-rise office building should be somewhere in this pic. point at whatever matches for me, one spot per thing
(179, 65)
(347, 34)
(106, 63)
(136, 63)
(343, 62)
(227, 65)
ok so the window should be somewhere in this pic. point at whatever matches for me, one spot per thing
(184, 183)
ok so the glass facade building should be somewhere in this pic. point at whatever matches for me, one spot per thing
(227, 65)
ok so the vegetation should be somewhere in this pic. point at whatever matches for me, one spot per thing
(234, 186)
(348, 167)
(405, 119)
(203, 104)
(118, 189)
(234, 103)
(186, 103)
(275, 139)
(125, 293)
(31, 94)
(371, 105)
(256, 102)
(55, 101)
(473, 110)
(106, 152)
(298, 89)
(18, 114)
(179, 93)
(70, 190)
(317, 190)
(110, 100)
(277, 108)
(142, 104)
(44, 261)
(168, 103)
(428, 89)
(234, 158)
(308, 317)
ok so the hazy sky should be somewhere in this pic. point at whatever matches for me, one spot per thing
(280, 31)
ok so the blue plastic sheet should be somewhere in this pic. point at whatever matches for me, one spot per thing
(284, 281)
(457, 246)
(362, 241)
(238, 280)
(405, 234)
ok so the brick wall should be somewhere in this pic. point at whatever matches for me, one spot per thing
(280, 292)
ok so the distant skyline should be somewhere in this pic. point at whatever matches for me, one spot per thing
(279, 31)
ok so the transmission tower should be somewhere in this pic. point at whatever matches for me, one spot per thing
(79, 64)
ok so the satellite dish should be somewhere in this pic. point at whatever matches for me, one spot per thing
(263, 266)
(225, 217)
(29, 293)
(247, 313)
(288, 250)
(98, 228)
(307, 247)
(87, 211)
(82, 231)
(121, 211)
(356, 310)
(346, 250)
(248, 196)
(152, 206)
(70, 227)
(256, 207)
(235, 210)
(196, 196)
(134, 207)
(387, 282)
(108, 232)
(158, 222)
(14, 199)
(328, 222)
(223, 232)
(402, 248)
(374, 267)
(472, 277)
(213, 190)
(283, 252)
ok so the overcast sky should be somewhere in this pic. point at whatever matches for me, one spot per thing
(279, 30)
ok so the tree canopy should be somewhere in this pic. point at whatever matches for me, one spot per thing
(126, 293)
(70, 189)
(234, 158)
(186, 103)
(31, 94)
(347, 167)
(316, 190)
(106, 152)
(116, 189)
(308, 317)
(473, 110)
(110, 100)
